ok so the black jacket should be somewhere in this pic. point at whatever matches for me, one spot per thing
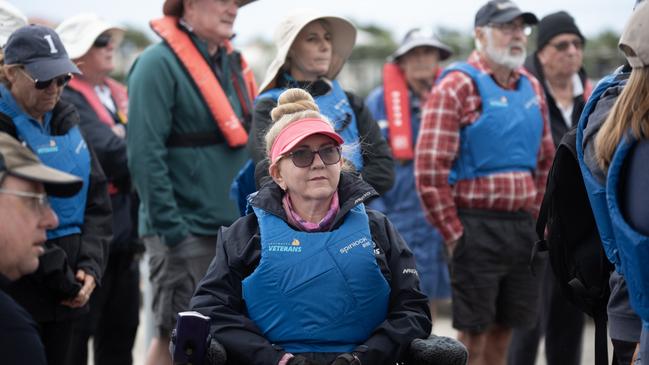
(111, 153)
(219, 294)
(41, 292)
(378, 165)
(20, 342)
(557, 124)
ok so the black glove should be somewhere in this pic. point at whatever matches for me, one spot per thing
(301, 360)
(346, 359)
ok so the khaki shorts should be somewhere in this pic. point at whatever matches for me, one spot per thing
(174, 274)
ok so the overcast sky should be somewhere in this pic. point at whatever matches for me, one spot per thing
(260, 18)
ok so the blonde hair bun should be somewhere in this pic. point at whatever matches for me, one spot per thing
(293, 101)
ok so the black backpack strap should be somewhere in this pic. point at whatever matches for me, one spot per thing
(601, 339)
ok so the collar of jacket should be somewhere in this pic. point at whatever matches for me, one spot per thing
(315, 88)
(352, 190)
(64, 117)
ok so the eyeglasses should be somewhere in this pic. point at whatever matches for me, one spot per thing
(42, 203)
(564, 45)
(303, 157)
(102, 41)
(511, 27)
(41, 85)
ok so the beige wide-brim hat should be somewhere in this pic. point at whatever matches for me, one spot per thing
(10, 19)
(343, 38)
(79, 32)
(175, 7)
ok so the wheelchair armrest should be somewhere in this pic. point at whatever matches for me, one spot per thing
(216, 354)
(437, 350)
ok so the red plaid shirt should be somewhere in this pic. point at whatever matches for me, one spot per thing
(453, 104)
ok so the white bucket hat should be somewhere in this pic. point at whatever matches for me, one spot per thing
(79, 32)
(634, 38)
(343, 38)
(10, 19)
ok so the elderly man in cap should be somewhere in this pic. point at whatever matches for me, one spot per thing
(102, 105)
(482, 158)
(25, 215)
(189, 112)
(557, 64)
(408, 77)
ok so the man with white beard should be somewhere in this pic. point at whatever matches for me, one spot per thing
(481, 162)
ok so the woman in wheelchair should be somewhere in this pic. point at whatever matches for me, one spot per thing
(311, 276)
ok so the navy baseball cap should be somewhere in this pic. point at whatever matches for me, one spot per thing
(502, 11)
(40, 50)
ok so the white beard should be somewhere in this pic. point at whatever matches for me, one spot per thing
(503, 56)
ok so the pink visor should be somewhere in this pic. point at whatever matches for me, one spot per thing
(297, 131)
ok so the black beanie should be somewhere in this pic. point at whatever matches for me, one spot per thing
(554, 24)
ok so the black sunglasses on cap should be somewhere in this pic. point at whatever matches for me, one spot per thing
(102, 41)
(41, 85)
(303, 157)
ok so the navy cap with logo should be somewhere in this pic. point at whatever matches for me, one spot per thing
(502, 11)
(40, 50)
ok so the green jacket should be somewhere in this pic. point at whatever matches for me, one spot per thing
(183, 190)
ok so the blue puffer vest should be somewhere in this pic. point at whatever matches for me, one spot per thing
(506, 136)
(336, 107)
(68, 153)
(597, 191)
(312, 288)
(632, 246)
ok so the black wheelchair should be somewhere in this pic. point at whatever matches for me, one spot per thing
(192, 344)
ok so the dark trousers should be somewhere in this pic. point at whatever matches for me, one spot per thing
(560, 321)
(113, 317)
(56, 337)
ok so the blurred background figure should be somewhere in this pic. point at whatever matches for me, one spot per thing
(36, 70)
(102, 105)
(408, 77)
(10, 19)
(190, 102)
(25, 215)
(557, 64)
(312, 48)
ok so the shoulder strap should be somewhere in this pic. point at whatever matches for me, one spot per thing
(397, 107)
(208, 86)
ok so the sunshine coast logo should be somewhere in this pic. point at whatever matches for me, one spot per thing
(292, 247)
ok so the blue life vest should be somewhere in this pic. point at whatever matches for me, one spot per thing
(68, 153)
(633, 247)
(336, 107)
(597, 191)
(506, 136)
(316, 291)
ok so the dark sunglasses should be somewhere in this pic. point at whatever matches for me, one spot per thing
(303, 157)
(40, 85)
(564, 45)
(102, 41)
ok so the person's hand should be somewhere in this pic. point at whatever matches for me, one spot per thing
(119, 130)
(346, 359)
(88, 282)
(301, 360)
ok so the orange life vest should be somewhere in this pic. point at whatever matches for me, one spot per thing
(397, 108)
(204, 78)
(120, 97)
(117, 91)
